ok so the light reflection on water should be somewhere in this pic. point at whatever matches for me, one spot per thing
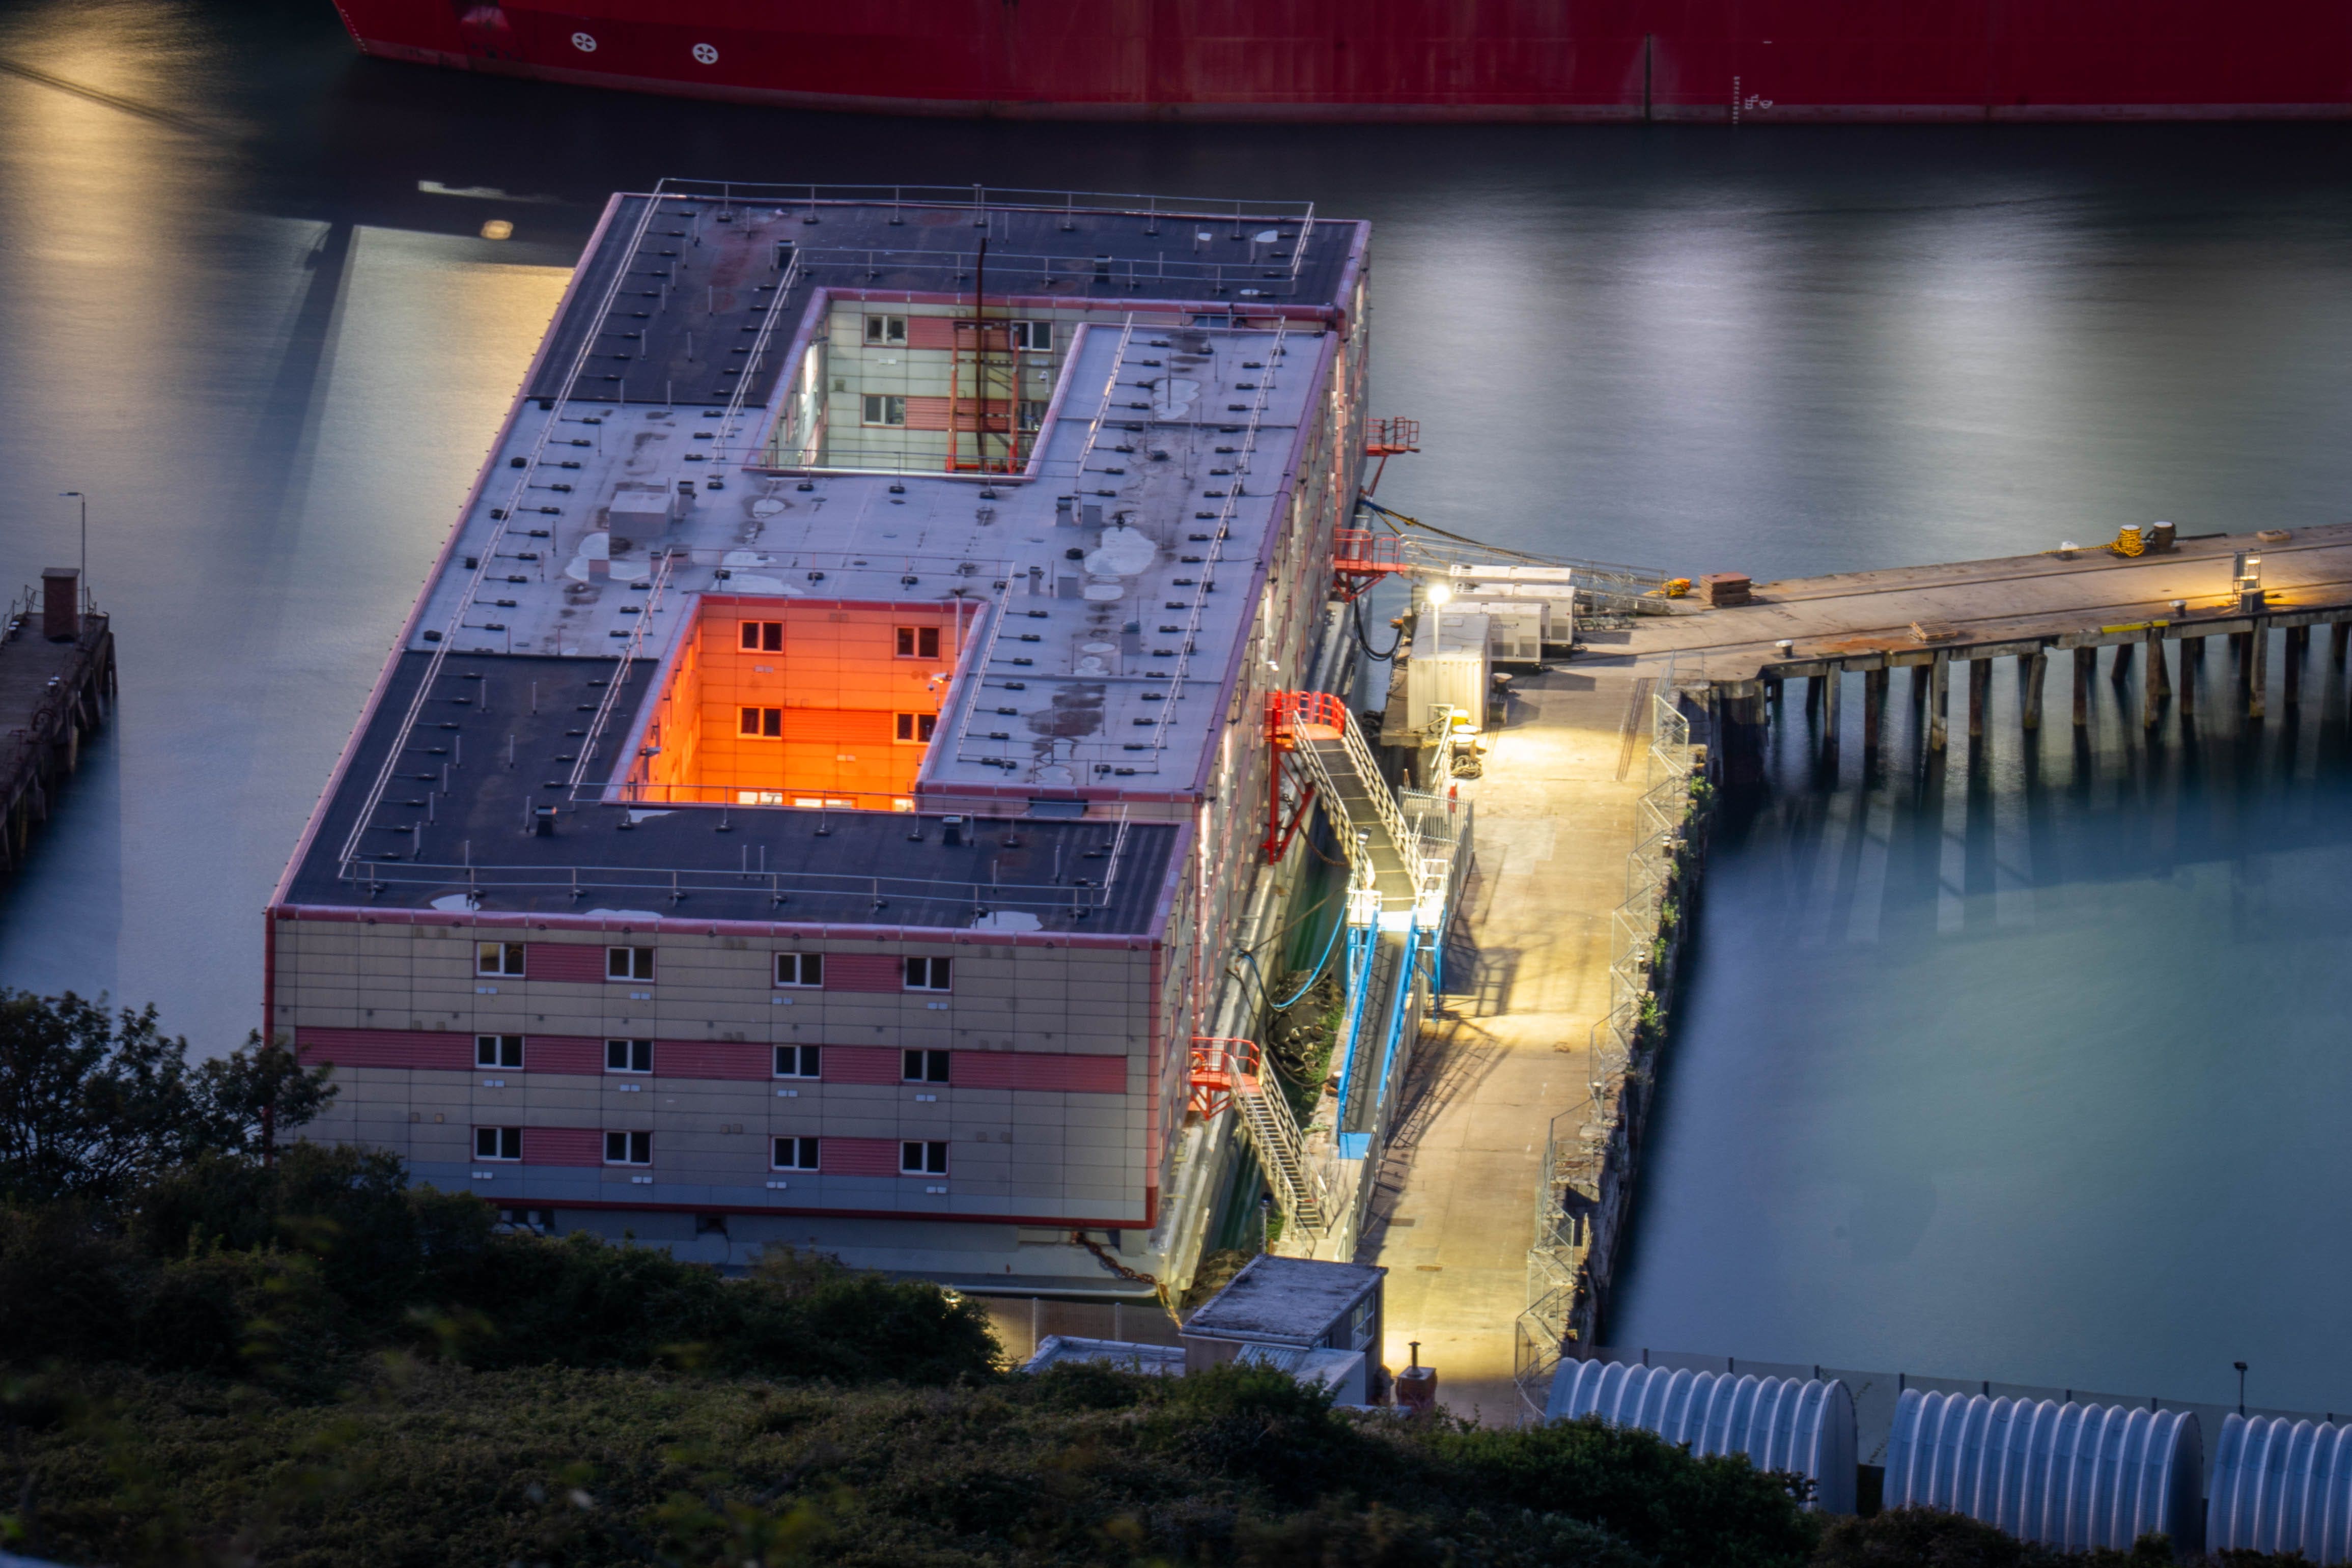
(2031, 1083)
(2032, 1067)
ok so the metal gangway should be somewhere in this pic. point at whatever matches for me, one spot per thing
(1229, 1071)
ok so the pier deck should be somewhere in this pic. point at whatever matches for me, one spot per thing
(2010, 605)
(51, 695)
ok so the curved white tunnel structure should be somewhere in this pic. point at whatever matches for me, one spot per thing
(2283, 1485)
(1780, 1424)
(2070, 1476)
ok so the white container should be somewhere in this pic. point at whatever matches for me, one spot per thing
(1450, 667)
(1517, 630)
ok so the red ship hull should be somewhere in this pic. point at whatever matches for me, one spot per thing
(1422, 60)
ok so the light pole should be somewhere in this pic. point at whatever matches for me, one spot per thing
(77, 495)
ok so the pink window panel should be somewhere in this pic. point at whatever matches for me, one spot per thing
(860, 1156)
(1040, 1070)
(864, 971)
(864, 1064)
(562, 1146)
(565, 960)
(927, 413)
(562, 1053)
(930, 333)
(713, 1058)
(384, 1048)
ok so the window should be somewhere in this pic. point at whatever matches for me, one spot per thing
(928, 975)
(922, 1159)
(710, 1225)
(1032, 413)
(884, 408)
(628, 1056)
(916, 726)
(797, 1061)
(925, 1067)
(795, 1154)
(766, 722)
(919, 642)
(497, 1142)
(497, 958)
(764, 636)
(628, 964)
(628, 1148)
(759, 797)
(498, 1050)
(1036, 336)
(886, 329)
(800, 969)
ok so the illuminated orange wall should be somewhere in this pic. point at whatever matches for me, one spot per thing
(839, 682)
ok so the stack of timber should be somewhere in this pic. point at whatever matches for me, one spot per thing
(56, 683)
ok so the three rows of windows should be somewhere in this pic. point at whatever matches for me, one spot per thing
(506, 960)
(637, 1056)
(916, 1157)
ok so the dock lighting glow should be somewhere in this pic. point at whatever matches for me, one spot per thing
(2246, 579)
(498, 229)
(1440, 595)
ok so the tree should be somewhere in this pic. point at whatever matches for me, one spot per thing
(93, 1105)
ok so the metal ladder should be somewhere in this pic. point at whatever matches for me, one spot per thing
(1317, 728)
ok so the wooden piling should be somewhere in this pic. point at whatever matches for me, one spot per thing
(2258, 648)
(1939, 689)
(1833, 688)
(1980, 683)
(2337, 632)
(2157, 687)
(2298, 652)
(2085, 660)
(1874, 710)
(2037, 665)
(2121, 672)
(2192, 654)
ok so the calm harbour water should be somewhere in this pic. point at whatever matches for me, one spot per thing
(2036, 1074)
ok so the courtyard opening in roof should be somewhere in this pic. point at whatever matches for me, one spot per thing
(806, 703)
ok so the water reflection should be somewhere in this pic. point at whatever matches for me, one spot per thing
(2026, 1062)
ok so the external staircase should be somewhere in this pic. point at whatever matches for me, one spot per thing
(1229, 1070)
(1317, 727)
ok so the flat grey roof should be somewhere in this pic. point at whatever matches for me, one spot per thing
(1285, 1300)
(508, 731)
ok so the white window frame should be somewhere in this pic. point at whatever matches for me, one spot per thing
(499, 1140)
(634, 1143)
(752, 723)
(636, 969)
(1030, 414)
(929, 974)
(906, 642)
(1025, 334)
(886, 331)
(929, 1154)
(805, 1154)
(806, 969)
(630, 1050)
(929, 1066)
(762, 636)
(807, 1063)
(494, 1047)
(877, 409)
(914, 729)
(498, 959)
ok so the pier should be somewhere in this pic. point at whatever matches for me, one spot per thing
(2026, 608)
(1510, 1179)
(56, 684)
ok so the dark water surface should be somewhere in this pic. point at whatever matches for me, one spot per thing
(2025, 1079)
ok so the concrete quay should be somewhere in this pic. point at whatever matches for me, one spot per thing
(1527, 979)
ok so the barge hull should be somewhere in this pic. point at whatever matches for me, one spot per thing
(1421, 60)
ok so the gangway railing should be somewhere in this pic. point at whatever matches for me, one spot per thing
(1319, 727)
(1229, 1071)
